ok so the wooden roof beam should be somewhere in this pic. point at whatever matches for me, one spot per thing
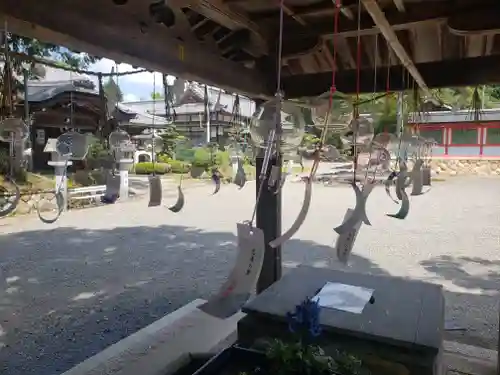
(221, 13)
(378, 17)
(119, 36)
(321, 8)
(447, 73)
(400, 5)
(415, 15)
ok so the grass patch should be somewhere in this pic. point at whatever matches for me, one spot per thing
(35, 182)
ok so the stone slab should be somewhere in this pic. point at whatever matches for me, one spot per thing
(162, 347)
(404, 313)
(467, 359)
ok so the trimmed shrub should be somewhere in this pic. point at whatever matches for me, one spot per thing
(150, 168)
(222, 158)
(178, 166)
(202, 158)
(185, 154)
(164, 159)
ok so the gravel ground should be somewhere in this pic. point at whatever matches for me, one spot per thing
(70, 289)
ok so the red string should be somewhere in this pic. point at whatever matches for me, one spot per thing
(358, 85)
(387, 90)
(333, 89)
(358, 67)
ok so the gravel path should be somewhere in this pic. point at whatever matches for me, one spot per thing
(97, 275)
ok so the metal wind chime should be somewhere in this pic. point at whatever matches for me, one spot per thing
(278, 127)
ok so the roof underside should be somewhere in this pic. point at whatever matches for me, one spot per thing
(233, 43)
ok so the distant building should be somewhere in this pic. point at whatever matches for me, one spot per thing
(458, 134)
(189, 109)
(55, 107)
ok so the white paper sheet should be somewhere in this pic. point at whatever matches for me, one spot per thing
(343, 297)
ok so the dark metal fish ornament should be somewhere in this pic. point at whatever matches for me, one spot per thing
(217, 180)
(240, 177)
(177, 207)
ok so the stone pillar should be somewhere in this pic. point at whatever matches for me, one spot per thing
(18, 153)
(124, 166)
(61, 183)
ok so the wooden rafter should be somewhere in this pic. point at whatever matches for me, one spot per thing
(415, 15)
(400, 5)
(221, 13)
(120, 36)
(448, 73)
(378, 17)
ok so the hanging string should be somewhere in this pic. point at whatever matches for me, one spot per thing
(236, 120)
(387, 85)
(170, 114)
(333, 90)
(272, 134)
(358, 89)
(153, 146)
(374, 90)
(400, 125)
(280, 45)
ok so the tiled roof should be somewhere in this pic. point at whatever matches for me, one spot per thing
(226, 102)
(39, 91)
(142, 118)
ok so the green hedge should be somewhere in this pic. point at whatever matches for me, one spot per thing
(178, 166)
(202, 158)
(149, 168)
(197, 157)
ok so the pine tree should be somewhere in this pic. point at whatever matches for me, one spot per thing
(113, 92)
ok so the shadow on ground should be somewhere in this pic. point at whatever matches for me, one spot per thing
(66, 294)
(480, 280)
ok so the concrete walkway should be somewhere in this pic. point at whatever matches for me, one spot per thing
(70, 289)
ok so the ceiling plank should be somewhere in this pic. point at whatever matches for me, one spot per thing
(309, 63)
(479, 21)
(221, 13)
(450, 44)
(488, 47)
(118, 36)
(426, 43)
(474, 45)
(448, 73)
(345, 53)
(400, 5)
(378, 17)
(416, 14)
(320, 8)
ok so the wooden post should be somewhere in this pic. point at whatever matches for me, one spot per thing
(269, 220)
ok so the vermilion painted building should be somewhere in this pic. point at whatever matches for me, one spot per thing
(459, 135)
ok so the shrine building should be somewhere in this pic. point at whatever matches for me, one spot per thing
(459, 135)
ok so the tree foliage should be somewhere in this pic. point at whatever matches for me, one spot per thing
(383, 108)
(156, 95)
(37, 48)
(113, 91)
(170, 137)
